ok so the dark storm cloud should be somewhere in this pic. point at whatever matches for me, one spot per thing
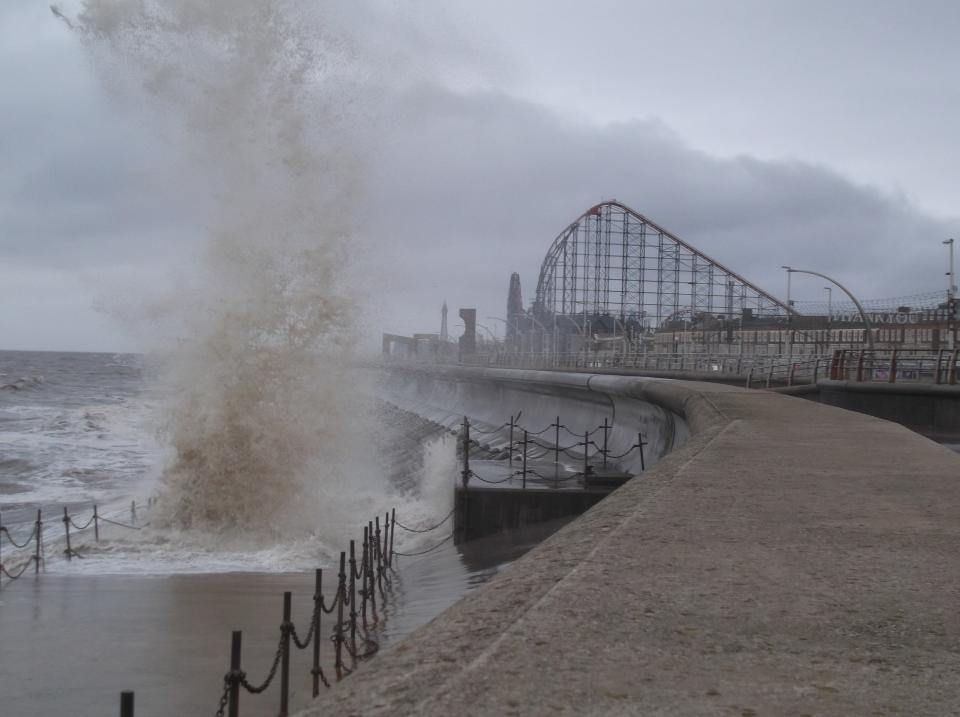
(474, 186)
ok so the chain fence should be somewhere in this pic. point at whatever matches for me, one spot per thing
(35, 540)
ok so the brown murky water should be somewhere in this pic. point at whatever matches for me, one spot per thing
(70, 644)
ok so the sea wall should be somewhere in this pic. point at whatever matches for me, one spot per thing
(788, 558)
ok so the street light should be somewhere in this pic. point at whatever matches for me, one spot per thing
(951, 287)
(863, 314)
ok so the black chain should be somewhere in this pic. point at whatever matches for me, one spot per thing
(83, 527)
(273, 672)
(13, 542)
(424, 530)
(225, 697)
(4, 571)
(424, 552)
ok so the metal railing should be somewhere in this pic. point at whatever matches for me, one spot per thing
(580, 450)
(891, 366)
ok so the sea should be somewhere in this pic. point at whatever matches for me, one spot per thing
(149, 609)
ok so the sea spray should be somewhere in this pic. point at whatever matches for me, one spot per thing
(273, 104)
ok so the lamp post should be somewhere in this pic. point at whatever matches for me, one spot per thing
(789, 317)
(951, 287)
(863, 314)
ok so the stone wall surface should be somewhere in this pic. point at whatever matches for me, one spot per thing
(790, 558)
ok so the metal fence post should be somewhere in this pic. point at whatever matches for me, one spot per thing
(316, 672)
(126, 704)
(285, 657)
(236, 639)
(606, 432)
(393, 530)
(525, 442)
(353, 600)
(371, 578)
(39, 540)
(640, 446)
(510, 454)
(556, 448)
(379, 554)
(338, 635)
(66, 532)
(465, 473)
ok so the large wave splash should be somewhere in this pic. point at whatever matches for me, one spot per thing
(270, 100)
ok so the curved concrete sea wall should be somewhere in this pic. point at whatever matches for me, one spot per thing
(488, 397)
(789, 558)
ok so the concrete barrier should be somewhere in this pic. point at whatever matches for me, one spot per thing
(789, 558)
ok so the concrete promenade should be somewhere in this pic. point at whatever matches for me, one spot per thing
(790, 559)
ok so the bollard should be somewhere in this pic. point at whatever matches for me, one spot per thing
(36, 554)
(316, 672)
(66, 532)
(353, 601)
(285, 656)
(126, 704)
(393, 530)
(234, 675)
(96, 525)
(338, 635)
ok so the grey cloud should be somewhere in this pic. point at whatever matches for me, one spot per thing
(474, 186)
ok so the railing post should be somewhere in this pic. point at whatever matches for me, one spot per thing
(586, 454)
(285, 657)
(393, 531)
(793, 367)
(510, 452)
(234, 676)
(606, 431)
(66, 532)
(749, 376)
(126, 704)
(465, 473)
(556, 447)
(386, 544)
(939, 375)
(953, 368)
(524, 487)
(379, 554)
(338, 633)
(892, 378)
(371, 578)
(816, 369)
(39, 541)
(770, 374)
(96, 524)
(640, 445)
(316, 672)
(353, 600)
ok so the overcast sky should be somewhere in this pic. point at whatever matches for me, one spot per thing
(818, 134)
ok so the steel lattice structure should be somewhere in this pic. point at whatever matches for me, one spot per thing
(614, 262)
